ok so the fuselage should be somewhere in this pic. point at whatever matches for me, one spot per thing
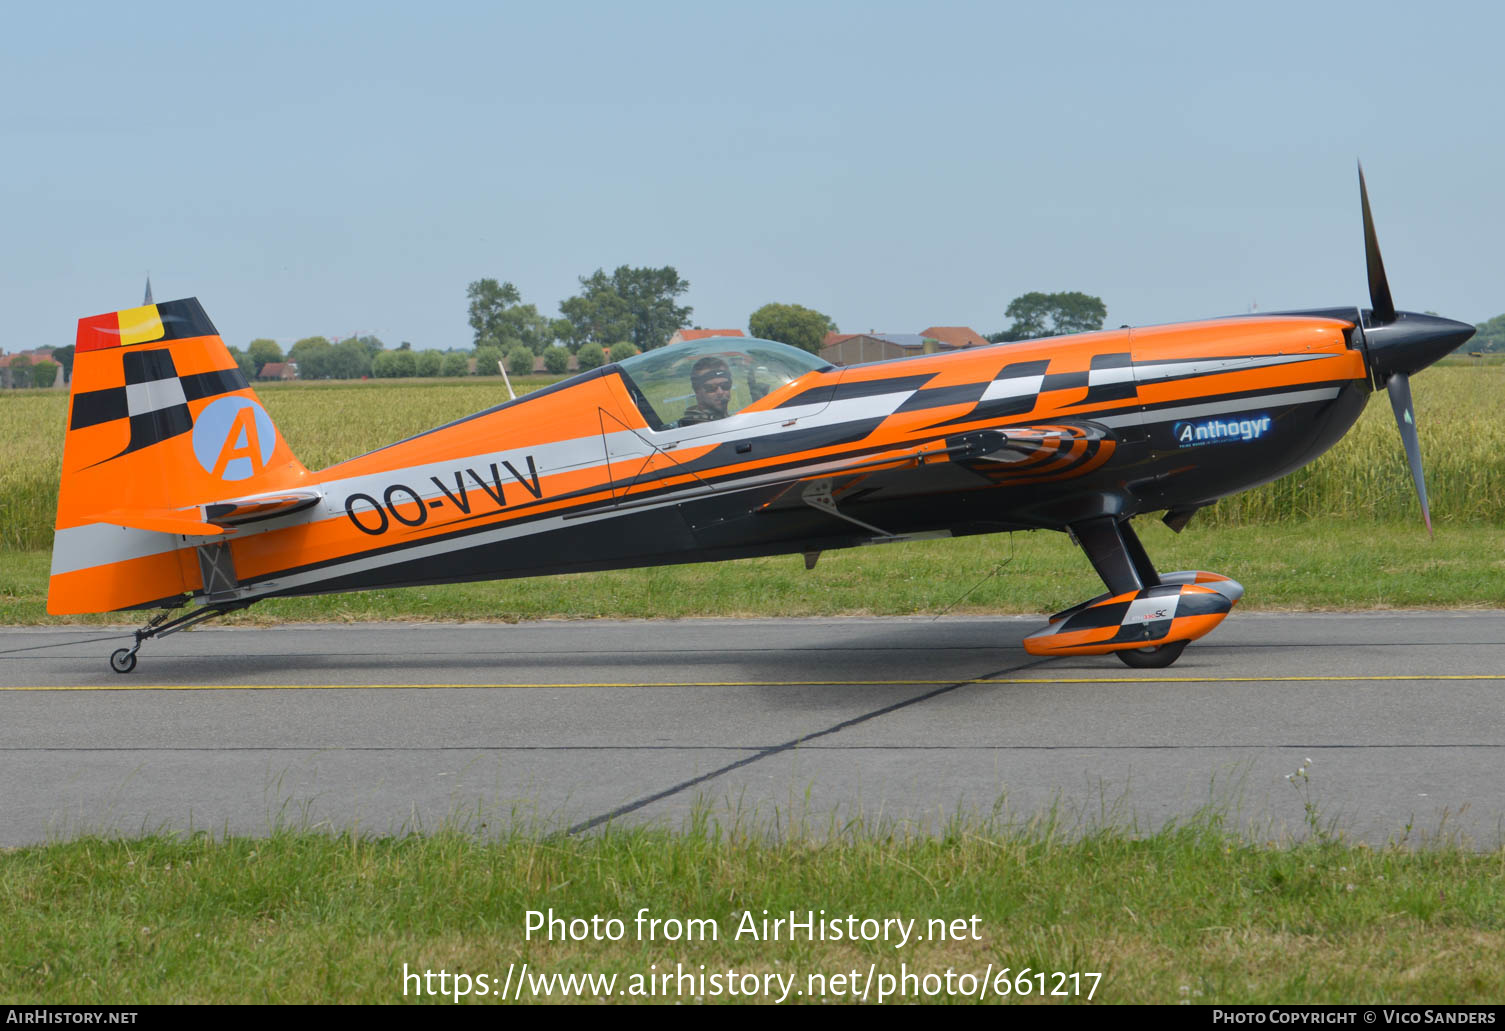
(590, 474)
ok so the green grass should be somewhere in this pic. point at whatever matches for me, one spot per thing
(1312, 565)
(1186, 914)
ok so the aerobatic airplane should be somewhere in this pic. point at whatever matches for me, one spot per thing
(177, 487)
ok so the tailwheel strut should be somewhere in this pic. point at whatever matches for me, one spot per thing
(123, 660)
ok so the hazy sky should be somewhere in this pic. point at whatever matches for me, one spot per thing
(331, 168)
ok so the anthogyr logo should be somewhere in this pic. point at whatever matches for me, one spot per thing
(233, 438)
(1221, 431)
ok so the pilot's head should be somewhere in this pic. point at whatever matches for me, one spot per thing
(712, 383)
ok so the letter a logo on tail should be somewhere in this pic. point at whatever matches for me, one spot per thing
(233, 438)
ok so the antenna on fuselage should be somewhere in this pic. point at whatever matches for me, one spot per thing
(505, 379)
(148, 298)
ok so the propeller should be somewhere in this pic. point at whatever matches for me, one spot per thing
(1397, 344)
(1379, 286)
(1399, 388)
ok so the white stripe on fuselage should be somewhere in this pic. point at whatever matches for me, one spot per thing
(1211, 366)
(1239, 404)
(1106, 377)
(1014, 386)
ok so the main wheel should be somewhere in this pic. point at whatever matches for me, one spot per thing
(1158, 657)
(123, 660)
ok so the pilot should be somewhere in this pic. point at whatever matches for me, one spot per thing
(712, 382)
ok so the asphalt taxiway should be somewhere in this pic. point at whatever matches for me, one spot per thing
(1395, 718)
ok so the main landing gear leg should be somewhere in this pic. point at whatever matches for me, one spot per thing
(1116, 553)
(1114, 550)
(1142, 564)
(123, 660)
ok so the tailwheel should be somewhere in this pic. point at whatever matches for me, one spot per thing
(123, 660)
(1158, 657)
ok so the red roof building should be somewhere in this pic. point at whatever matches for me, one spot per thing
(859, 348)
(681, 335)
(956, 336)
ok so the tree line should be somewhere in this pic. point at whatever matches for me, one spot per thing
(612, 317)
(634, 310)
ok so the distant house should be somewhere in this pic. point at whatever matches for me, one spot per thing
(858, 348)
(278, 370)
(681, 335)
(956, 336)
(40, 354)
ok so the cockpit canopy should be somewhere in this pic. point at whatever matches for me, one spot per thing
(661, 379)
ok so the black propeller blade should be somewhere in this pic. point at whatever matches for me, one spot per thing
(1396, 344)
(1379, 286)
(1399, 388)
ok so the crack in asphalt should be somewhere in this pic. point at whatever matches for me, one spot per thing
(765, 753)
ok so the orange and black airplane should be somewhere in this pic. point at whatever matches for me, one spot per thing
(177, 487)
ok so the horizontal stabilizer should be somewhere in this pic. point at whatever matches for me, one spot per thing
(162, 520)
(215, 518)
(239, 511)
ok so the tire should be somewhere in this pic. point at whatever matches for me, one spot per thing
(1158, 657)
(123, 660)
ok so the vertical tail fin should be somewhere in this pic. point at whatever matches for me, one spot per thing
(160, 421)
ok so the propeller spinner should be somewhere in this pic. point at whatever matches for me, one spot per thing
(1396, 344)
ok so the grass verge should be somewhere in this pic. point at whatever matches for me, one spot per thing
(1186, 914)
(1313, 565)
